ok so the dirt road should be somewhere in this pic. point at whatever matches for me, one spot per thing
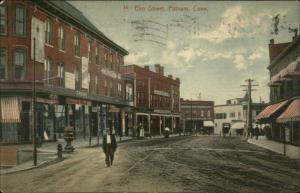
(186, 163)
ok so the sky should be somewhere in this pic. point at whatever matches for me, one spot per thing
(213, 47)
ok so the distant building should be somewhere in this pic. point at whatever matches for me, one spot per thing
(283, 114)
(233, 115)
(156, 99)
(197, 115)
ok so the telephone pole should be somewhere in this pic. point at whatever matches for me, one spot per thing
(249, 106)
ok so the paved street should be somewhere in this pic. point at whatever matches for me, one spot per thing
(186, 163)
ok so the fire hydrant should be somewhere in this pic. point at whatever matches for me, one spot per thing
(59, 151)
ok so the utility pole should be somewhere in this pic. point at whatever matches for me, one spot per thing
(192, 122)
(249, 106)
(33, 110)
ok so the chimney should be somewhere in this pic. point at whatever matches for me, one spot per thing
(157, 68)
(146, 67)
(170, 76)
(271, 41)
(162, 70)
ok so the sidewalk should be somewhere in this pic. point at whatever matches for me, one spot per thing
(289, 150)
(47, 154)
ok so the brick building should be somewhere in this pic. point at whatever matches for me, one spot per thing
(283, 113)
(156, 99)
(78, 71)
(197, 115)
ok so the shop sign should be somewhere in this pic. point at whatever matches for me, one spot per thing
(38, 32)
(161, 93)
(162, 111)
(111, 74)
(81, 94)
(70, 80)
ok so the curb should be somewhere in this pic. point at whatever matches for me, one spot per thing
(42, 164)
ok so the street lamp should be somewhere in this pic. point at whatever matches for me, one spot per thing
(33, 107)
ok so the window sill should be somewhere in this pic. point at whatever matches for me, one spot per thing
(63, 51)
(48, 45)
(78, 57)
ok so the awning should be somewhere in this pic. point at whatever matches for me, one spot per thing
(10, 111)
(270, 110)
(237, 125)
(292, 69)
(41, 100)
(292, 113)
(208, 124)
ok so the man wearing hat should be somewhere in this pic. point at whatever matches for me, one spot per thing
(109, 146)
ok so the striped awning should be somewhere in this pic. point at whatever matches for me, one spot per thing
(270, 110)
(10, 110)
(292, 69)
(292, 113)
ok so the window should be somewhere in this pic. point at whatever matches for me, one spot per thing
(105, 59)
(202, 113)
(3, 63)
(111, 88)
(90, 83)
(239, 115)
(97, 55)
(61, 74)
(19, 63)
(3, 20)
(61, 38)
(106, 88)
(232, 114)
(208, 113)
(77, 44)
(47, 69)
(77, 79)
(20, 21)
(119, 89)
(111, 61)
(90, 51)
(97, 84)
(48, 32)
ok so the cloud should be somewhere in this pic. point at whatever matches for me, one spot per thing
(187, 54)
(239, 62)
(136, 57)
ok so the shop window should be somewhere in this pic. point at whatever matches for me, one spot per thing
(3, 19)
(3, 63)
(20, 20)
(19, 63)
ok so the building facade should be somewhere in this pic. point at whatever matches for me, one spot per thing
(232, 116)
(197, 116)
(156, 99)
(283, 114)
(78, 72)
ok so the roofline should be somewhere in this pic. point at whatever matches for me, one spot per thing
(101, 36)
(283, 53)
(135, 65)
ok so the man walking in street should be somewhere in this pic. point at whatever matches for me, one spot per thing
(109, 146)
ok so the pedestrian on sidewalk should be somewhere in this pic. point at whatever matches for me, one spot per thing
(256, 131)
(109, 146)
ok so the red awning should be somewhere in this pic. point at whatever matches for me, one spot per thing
(270, 110)
(10, 110)
(292, 113)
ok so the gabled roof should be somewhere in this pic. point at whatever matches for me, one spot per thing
(67, 9)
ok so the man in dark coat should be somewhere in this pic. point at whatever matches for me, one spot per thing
(109, 146)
